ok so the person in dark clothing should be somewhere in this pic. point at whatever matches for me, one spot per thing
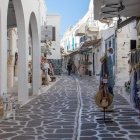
(69, 68)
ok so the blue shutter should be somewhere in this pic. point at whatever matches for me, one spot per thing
(73, 47)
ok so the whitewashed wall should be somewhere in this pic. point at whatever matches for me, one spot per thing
(105, 34)
(54, 20)
(124, 35)
(43, 12)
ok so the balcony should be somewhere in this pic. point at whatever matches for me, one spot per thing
(92, 27)
(81, 30)
(88, 45)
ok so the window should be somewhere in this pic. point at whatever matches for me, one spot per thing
(105, 47)
(110, 43)
(53, 34)
(73, 47)
(30, 50)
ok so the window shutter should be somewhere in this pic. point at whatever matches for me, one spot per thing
(53, 34)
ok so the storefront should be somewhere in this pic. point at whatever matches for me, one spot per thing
(106, 10)
(90, 57)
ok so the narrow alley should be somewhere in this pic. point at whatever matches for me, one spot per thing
(67, 111)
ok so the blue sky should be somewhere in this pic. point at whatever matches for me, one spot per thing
(71, 11)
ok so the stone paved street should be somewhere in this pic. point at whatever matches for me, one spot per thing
(67, 111)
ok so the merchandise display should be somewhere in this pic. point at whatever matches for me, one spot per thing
(135, 77)
(104, 97)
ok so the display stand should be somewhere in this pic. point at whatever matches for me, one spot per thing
(104, 119)
(104, 98)
(105, 101)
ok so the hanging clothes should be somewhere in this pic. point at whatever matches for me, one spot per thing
(105, 70)
(134, 89)
(111, 81)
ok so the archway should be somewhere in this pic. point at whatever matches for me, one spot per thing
(36, 51)
(18, 58)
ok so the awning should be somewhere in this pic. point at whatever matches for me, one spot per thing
(87, 46)
(109, 8)
(87, 50)
(90, 43)
(73, 52)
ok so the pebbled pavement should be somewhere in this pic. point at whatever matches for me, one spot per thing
(67, 111)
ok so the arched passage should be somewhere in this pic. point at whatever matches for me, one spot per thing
(33, 28)
(22, 52)
(21, 22)
(17, 19)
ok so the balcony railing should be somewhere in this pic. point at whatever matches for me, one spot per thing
(92, 26)
(81, 30)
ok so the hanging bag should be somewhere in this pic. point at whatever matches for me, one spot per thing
(103, 98)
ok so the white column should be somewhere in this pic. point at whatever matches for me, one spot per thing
(10, 63)
(3, 53)
(36, 55)
(22, 65)
(22, 52)
(10, 74)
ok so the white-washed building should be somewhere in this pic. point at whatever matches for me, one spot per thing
(52, 39)
(127, 41)
(82, 43)
(42, 12)
(119, 41)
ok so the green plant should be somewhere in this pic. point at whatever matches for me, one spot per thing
(103, 58)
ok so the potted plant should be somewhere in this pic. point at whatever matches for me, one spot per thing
(103, 58)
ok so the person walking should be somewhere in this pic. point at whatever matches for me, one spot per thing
(69, 68)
